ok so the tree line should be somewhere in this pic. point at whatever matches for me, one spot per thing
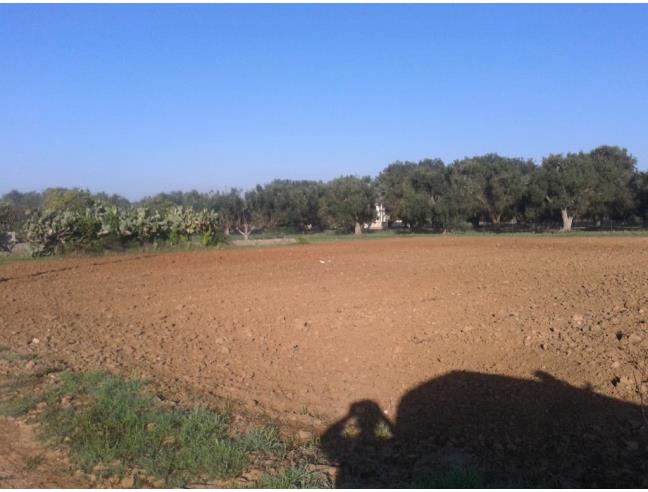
(597, 186)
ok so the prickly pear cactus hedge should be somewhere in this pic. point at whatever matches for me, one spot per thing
(51, 232)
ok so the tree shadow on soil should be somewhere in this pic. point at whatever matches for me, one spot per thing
(471, 429)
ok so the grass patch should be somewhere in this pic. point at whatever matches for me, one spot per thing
(341, 236)
(18, 406)
(264, 440)
(111, 424)
(295, 477)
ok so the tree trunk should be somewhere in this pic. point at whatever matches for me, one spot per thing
(247, 230)
(226, 230)
(358, 229)
(495, 218)
(567, 220)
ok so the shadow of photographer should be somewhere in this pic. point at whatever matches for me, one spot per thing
(472, 429)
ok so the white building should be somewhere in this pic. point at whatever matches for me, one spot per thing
(381, 218)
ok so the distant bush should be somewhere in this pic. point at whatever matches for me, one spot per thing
(98, 227)
(9, 217)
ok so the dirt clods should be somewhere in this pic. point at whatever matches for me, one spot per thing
(398, 323)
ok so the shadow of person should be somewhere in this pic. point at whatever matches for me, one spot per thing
(512, 431)
(358, 443)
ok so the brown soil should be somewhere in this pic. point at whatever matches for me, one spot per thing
(26, 464)
(302, 332)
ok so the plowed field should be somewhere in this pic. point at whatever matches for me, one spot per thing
(506, 326)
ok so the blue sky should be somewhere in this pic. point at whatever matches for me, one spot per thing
(137, 99)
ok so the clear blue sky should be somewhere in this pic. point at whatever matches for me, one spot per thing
(137, 99)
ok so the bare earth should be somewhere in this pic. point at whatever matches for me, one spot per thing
(24, 463)
(302, 332)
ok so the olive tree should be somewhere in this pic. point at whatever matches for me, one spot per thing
(494, 184)
(391, 188)
(24, 201)
(349, 202)
(614, 169)
(425, 188)
(568, 183)
(302, 205)
(230, 207)
(640, 192)
(295, 204)
(193, 199)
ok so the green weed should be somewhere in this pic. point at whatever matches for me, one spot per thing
(18, 406)
(109, 420)
(264, 440)
(295, 477)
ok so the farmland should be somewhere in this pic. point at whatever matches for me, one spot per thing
(523, 347)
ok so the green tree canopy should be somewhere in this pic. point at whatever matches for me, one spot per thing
(639, 187)
(494, 185)
(230, 207)
(29, 200)
(193, 199)
(287, 203)
(73, 199)
(425, 189)
(349, 202)
(614, 169)
(390, 187)
(568, 184)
